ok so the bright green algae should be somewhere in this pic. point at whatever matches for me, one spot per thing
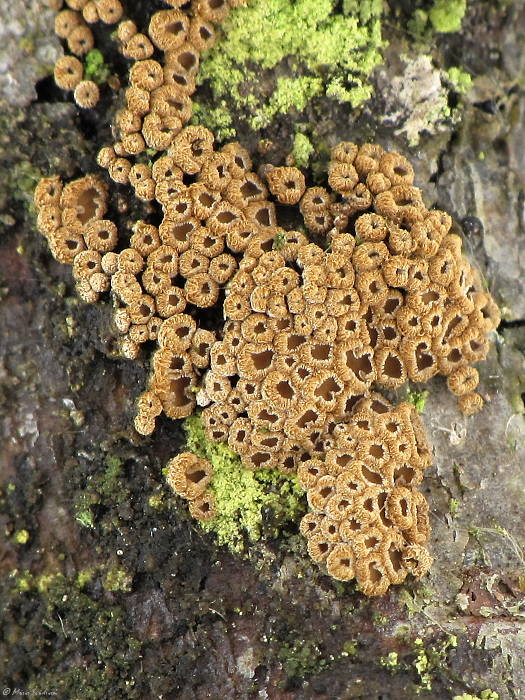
(242, 496)
(313, 49)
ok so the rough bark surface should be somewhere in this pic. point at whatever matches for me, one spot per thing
(107, 588)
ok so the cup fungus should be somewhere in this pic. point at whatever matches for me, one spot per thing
(311, 330)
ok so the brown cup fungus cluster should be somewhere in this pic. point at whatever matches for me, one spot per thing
(71, 218)
(189, 475)
(311, 329)
(367, 519)
(72, 24)
(158, 98)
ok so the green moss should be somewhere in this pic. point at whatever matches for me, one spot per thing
(279, 240)
(243, 497)
(317, 49)
(447, 15)
(390, 661)
(44, 581)
(84, 517)
(23, 581)
(484, 695)
(84, 577)
(117, 580)
(21, 537)
(90, 652)
(95, 67)
(460, 80)
(302, 658)
(111, 479)
(379, 620)
(418, 399)
(350, 648)
(302, 150)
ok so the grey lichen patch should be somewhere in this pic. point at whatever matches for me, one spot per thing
(506, 676)
(28, 50)
(483, 177)
(418, 98)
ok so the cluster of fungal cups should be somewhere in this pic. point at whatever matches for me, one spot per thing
(189, 476)
(158, 98)
(72, 24)
(308, 329)
(373, 290)
(367, 519)
(71, 219)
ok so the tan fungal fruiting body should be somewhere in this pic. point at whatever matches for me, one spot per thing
(70, 25)
(158, 103)
(286, 184)
(366, 513)
(188, 476)
(86, 94)
(311, 330)
(64, 214)
(68, 72)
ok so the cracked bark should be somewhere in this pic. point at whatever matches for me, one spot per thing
(211, 624)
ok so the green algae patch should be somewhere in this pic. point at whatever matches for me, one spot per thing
(447, 15)
(444, 17)
(484, 695)
(429, 660)
(289, 93)
(418, 399)
(21, 537)
(302, 150)
(243, 498)
(460, 80)
(95, 68)
(215, 117)
(390, 661)
(315, 50)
